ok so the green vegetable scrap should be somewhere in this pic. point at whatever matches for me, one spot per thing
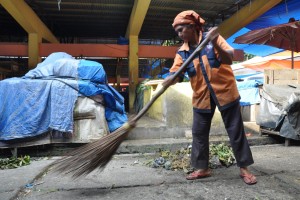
(14, 162)
(223, 152)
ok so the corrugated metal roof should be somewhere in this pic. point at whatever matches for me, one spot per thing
(103, 19)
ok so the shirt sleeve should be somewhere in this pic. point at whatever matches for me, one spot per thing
(221, 42)
(176, 65)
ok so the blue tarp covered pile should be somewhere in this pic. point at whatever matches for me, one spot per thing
(44, 99)
(280, 110)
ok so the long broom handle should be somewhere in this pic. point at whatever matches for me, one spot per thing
(174, 76)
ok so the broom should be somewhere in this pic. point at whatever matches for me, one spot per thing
(97, 154)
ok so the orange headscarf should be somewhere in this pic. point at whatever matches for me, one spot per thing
(188, 17)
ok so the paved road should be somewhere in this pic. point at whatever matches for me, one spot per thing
(126, 177)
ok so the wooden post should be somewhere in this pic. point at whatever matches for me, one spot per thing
(34, 41)
(271, 81)
(133, 69)
(118, 74)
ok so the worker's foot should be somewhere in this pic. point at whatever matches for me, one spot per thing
(199, 174)
(247, 176)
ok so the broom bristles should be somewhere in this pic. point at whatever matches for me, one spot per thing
(91, 156)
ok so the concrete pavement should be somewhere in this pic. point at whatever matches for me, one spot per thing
(127, 177)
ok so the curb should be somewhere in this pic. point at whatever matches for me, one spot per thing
(155, 145)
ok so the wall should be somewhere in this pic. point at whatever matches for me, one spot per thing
(174, 108)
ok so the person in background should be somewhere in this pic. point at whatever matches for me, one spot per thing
(213, 84)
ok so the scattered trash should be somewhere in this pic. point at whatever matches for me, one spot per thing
(26, 192)
(136, 162)
(39, 183)
(158, 162)
(248, 134)
(214, 162)
(29, 186)
(168, 165)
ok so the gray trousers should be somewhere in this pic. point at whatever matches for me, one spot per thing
(232, 119)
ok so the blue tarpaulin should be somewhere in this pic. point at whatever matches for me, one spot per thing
(279, 14)
(45, 97)
(249, 92)
(32, 107)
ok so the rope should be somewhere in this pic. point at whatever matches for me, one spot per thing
(57, 78)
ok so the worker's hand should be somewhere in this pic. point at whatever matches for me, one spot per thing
(168, 81)
(212, 34)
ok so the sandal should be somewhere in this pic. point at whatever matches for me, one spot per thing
(249, 179)
(196, 175)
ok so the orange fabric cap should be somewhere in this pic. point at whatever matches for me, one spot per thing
(188, 17)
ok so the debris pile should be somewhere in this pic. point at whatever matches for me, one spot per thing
(219, 154)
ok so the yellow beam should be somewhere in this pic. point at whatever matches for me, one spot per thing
(27, 18)
(246, 15)
(133, 63)
(137, 17)
(136, 20)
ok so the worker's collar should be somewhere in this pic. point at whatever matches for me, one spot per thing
(185, 46)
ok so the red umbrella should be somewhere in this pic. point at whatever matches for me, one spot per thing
(283, 36)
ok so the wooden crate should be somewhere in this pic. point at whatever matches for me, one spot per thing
(282, 76)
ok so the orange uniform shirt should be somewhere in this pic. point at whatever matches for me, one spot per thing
(209, 77)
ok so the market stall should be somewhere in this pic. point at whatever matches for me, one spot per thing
(62, 100)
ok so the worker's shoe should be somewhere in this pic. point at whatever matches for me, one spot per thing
(249, 179)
